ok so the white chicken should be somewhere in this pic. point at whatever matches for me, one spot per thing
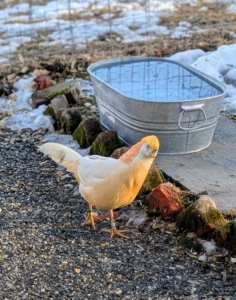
(105, 182)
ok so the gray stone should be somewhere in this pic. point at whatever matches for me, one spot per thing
(69, 88)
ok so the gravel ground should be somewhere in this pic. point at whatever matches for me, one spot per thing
(45, 253)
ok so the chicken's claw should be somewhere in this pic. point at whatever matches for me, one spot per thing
(90, 218)
(114, 231)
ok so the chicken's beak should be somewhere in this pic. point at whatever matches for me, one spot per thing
(154, 153)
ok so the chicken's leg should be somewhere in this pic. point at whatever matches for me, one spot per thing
(114, 231)
(90, 217)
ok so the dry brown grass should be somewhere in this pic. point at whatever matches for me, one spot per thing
(202, 13)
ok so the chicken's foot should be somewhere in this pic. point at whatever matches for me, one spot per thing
(90, 217)
(113, 230)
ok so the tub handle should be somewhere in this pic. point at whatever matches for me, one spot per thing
(189, 108)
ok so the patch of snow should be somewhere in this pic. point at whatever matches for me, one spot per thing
(182, 30)
(232, 8)
(19, 112)
(187, 57)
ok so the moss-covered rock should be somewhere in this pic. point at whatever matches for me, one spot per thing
(225, 236)
(50, 112)
(56, 107)
(59, 104)
(86, 132)
(105, 143)
(202, 217)
(70, 119)
(153, 179)
(233, 117)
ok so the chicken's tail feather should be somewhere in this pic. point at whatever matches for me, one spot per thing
(62, 155)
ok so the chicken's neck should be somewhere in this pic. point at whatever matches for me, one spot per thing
(142, 162)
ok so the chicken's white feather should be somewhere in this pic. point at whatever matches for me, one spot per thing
(62, 155)
(99, 168)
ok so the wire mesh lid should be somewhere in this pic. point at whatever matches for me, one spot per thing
(154, 79)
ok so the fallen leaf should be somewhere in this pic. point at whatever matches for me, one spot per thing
(77, 270)
(191, 255)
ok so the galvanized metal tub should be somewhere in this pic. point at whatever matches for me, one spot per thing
(139, 96)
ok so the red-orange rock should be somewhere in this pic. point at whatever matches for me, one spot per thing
(42, 82)
(166, 199)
